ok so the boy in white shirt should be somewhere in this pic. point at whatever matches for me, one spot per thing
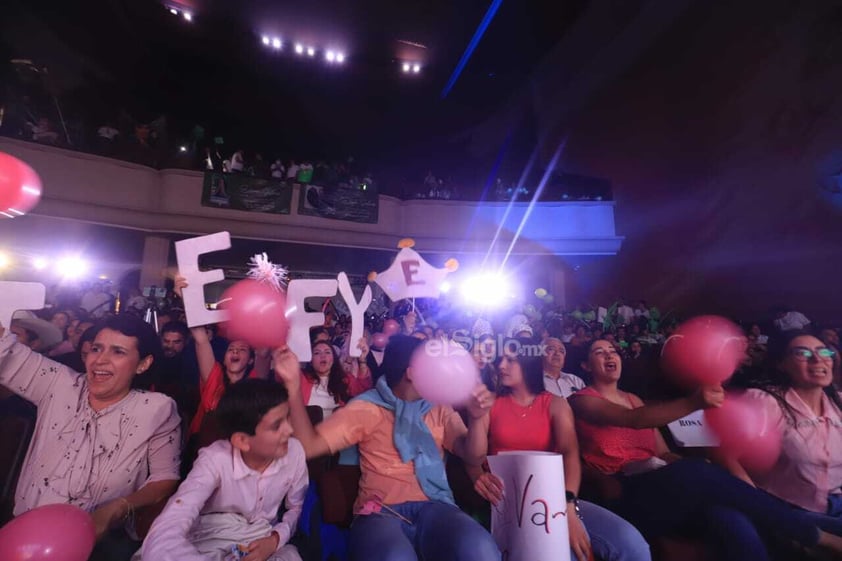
(227, 508)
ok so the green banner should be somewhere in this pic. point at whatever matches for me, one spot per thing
(354, 204)
(243, 192)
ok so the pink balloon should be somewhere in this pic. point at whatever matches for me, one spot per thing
(443, 372)
(379, 340)
(256, 314)
(391, 327)
(704, 350)
(20, 187)
(746, 432)
(48, 533)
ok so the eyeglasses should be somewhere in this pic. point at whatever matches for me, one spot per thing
(803, 354)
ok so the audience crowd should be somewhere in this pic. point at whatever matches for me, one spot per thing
(170, 404)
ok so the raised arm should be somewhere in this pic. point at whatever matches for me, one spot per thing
(602, 412)
(288, 372)
(204, 350)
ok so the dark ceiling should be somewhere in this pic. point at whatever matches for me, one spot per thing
(107, 55)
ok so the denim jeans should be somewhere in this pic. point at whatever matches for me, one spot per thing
(612, 537)
(439, 532)
(729, 510)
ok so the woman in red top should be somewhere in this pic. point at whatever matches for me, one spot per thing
(660, 492)
(525, 417)
(215, 377)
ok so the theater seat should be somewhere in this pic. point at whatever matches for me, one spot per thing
(337, 492)
(16, 428)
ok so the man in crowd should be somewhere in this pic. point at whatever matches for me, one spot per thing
(556, 381)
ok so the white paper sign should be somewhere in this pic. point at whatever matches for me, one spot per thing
(187, 254)
(692, 431)
(530, 523)
(16, 296)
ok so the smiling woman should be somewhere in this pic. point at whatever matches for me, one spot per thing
(802, 400)
(98, 443)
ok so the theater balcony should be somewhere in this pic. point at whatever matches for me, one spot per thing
(97, 190)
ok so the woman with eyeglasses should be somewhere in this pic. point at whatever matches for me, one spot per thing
(802, 400)
(661, 493)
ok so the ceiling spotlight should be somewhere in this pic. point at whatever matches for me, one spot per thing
(299, 48)
(340, 57)
(173, 11)
(188, 16)
(276, 43)
(71, 267)
(182, 148)
(416, 68)
(39, 263)
(311, 51)
(5, 260)
(330, 56)
(265, 40)
(405, 67)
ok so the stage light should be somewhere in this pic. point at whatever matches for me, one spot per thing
(311, 51)
(173, 11)
(39, 263)
(299, 48)
(182, 148)
(406, 67)
(265, 40)
(445, 287)
(5, 260)
(188, 16)
(340, 57)
(103, 277)
(276, 43)
(487, 289)
(71, 267)
(330, 56)
(416, 68)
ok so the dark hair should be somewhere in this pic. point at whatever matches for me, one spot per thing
(176, 327)
(777, 382)
(148, 342)
(336, 384)
(316, 331)
(225, 381)
(244, 404)
(532, 367)
(396, 357)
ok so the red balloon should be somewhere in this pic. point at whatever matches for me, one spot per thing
(704, 350)
(48, 533)
(391, 327)
(379, 340)
(256, 314)
(20, 187)
(746, 432)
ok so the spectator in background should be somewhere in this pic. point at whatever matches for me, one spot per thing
(42, 131)
(107, 133)
(208, 159)
(277, 169)
(556, 381)
(624, 312)
(96, 301)
(292, 170)
(787, 319)
(237, 162)
(642, 310)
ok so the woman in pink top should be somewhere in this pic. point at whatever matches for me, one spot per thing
(803, 401)
(662, 493)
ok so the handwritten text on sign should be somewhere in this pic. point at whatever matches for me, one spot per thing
(530, 523)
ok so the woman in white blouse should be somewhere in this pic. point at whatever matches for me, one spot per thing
(98, 444)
